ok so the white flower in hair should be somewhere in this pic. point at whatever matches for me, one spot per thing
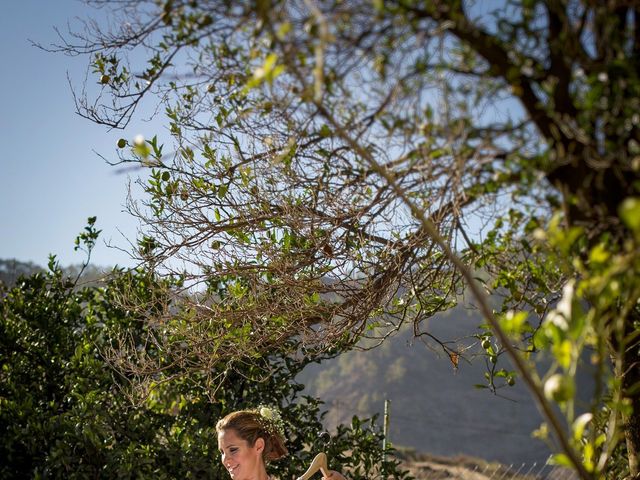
(267, 413)
(271, 420)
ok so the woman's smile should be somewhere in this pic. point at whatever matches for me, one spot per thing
(242, 461)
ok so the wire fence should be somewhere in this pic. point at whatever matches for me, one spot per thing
(434, 471)
(459, 466)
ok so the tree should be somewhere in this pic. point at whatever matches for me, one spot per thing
(65, 412)
(11, 269)
(344, 167)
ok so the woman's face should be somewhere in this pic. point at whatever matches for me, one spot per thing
(241, 461)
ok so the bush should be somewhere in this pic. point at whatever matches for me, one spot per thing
(64, 412)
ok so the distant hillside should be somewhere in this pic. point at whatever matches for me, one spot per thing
(11, 270)
(434, 408)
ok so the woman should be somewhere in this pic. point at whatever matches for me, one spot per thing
(249, 439)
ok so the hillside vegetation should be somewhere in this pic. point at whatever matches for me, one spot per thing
(435, 408)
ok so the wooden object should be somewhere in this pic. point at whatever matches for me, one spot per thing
(318, 463)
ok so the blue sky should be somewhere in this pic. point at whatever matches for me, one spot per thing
(52, 178)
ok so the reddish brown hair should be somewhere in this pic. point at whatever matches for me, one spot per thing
(249, 426)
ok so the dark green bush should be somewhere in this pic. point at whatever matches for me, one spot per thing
(64, 414)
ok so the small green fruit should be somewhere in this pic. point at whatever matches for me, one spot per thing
(104, 79)
(486, 343)
(122, 143)
(559, 388)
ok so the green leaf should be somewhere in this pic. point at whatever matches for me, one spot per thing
(629, 211)
(598, 254)
(270, 62)
(560, 459)
(580, 424)
(142, 150)
(563, 353)
(283, 30)
(325, 131)
(514, 323)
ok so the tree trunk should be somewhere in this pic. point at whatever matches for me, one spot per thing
(598, 196)
(632, 436)
(631, 390)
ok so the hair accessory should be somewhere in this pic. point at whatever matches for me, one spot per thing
(271, 420)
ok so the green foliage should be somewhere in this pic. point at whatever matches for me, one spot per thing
(11, 270)
(64, 412)
(574, 326)
(343, 162)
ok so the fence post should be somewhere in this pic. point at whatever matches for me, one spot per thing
(385, 434)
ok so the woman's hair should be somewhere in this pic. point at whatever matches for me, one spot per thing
(251, 425)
